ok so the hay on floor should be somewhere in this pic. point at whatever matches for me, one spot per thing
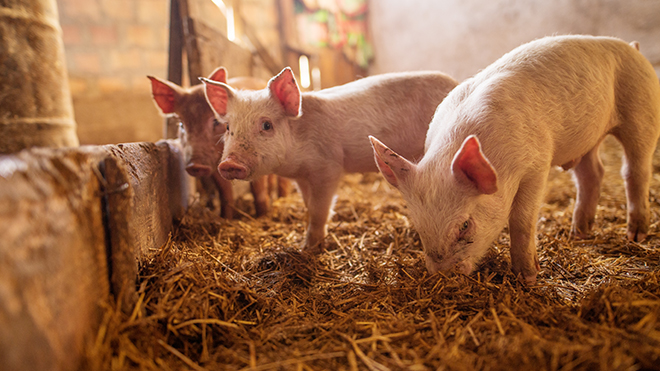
(240, 295)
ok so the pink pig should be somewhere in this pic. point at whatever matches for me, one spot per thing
(315, 137)
(493, 140)
(200, 134)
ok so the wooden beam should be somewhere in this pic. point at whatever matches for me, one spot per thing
(174, 63)
(261, 51)
(175, 51)
(72, 235)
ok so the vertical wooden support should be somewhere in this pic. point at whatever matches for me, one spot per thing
(35, 101)
(288, 34)
(175, 62)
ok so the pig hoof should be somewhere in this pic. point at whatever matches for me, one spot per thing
(227, 212)
(636, 236)
(313, 248)
(579, 235)
(262, 207)
(528, 280)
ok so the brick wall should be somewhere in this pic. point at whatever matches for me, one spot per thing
(111, 45)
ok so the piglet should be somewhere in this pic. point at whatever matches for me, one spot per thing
(315, 137)
(201, 136)
(492, 141)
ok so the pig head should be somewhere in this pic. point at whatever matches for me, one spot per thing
(465, 197)
(199, 131)
(258, 140)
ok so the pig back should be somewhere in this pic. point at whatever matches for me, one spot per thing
(396, 108)
(556, 97)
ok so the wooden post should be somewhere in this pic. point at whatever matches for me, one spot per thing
(175, 62)
(35, 101)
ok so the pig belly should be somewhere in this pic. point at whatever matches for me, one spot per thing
(359, 159)
(569, 153)
(571, 144)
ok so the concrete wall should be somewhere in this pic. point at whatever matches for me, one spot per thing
(460, 37)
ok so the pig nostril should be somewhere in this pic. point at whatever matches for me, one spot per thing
(230, 170)
(198, 170)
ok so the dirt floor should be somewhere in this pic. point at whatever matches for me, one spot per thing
(240, 295)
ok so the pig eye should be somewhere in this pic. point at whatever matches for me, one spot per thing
(227, 127)
(266, 125)
(216, 123)
(464, 226)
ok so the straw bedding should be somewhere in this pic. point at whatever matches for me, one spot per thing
(240, 295)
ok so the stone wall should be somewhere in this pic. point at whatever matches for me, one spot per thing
(461, 37)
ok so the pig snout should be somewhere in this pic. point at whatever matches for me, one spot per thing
(198, 170)
(231, 169)
(450, 265)
(432, 266)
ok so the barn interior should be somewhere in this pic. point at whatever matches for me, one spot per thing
(113, 258)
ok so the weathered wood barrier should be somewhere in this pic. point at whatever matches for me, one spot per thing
(74, 225)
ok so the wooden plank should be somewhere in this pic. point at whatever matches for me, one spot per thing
(269, 62)
(207, 49)
(146, 189)
(53, 270)
(158, 191)
(56, 264)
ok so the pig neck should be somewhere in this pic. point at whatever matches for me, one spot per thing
(318, 136)
(505, 159)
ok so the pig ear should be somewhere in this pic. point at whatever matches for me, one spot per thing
(164, 93)
(217, 95)
(285, 89)
(394, 168)
(219, 75)
(471, 165)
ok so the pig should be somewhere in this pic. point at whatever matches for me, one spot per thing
(315, 137)
(493, 140)
(200, 134)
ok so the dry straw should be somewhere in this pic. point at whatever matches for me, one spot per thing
(240, 295)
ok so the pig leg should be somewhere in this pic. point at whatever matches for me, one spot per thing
(636, 172)
(260, 192)
(207, 190)
(226, 195)
(318, 196)
(284, 187)
(588, 177)
(522, 227)
(304, 188)
(272, 186)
